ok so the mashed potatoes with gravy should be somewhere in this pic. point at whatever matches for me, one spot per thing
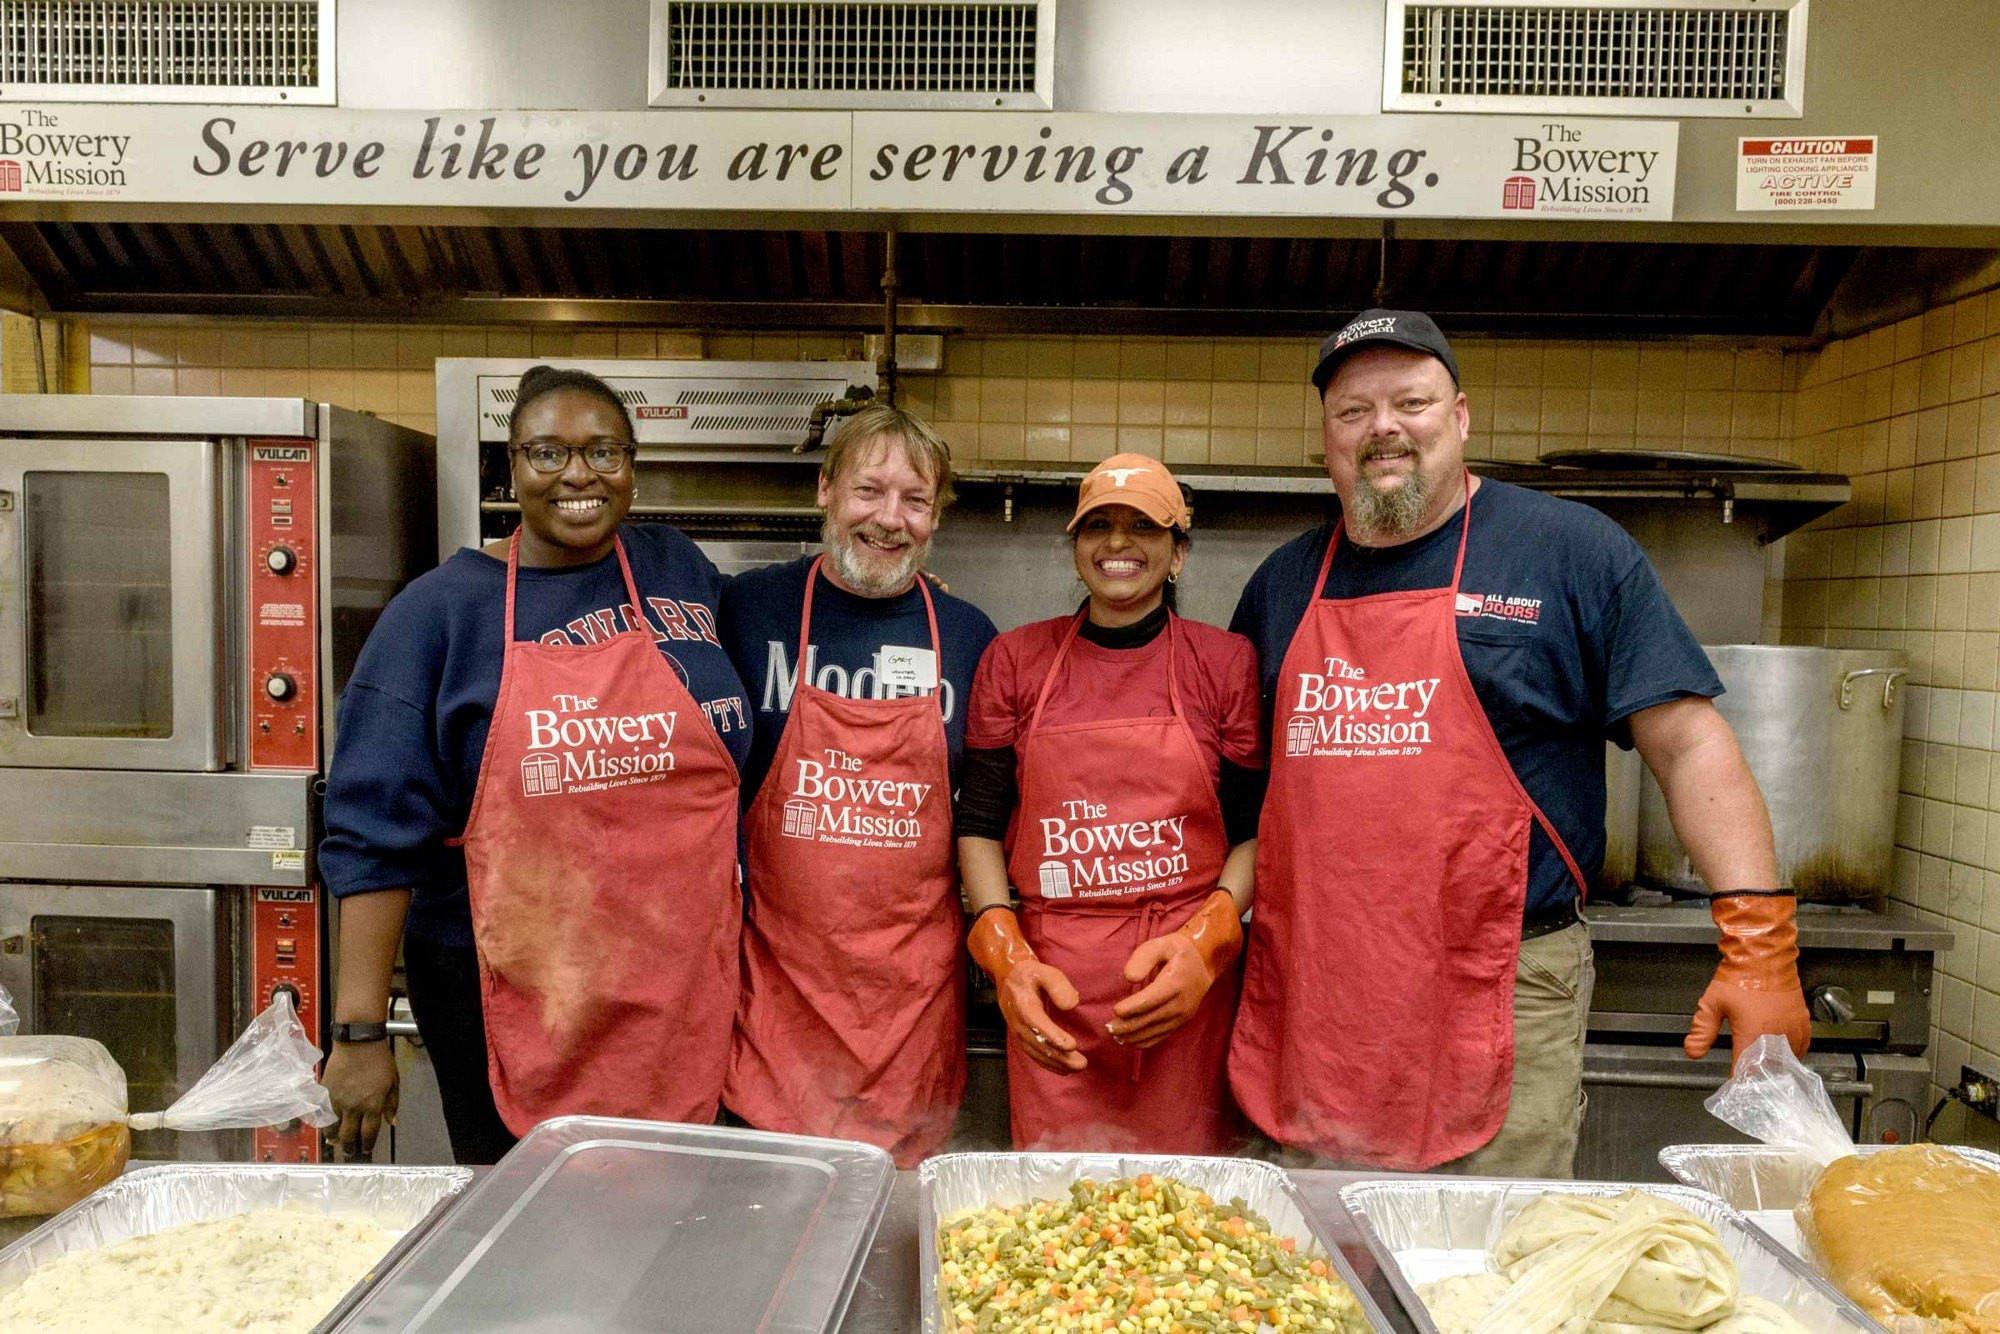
(270, 1271)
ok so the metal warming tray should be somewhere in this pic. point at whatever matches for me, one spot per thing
(1424, 1229)
(954, 1182)
(1767, 1183)
(148, 1199)
(591, 1223)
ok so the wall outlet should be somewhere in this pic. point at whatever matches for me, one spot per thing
(1981, 1091)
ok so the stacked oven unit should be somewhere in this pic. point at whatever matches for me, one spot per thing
(184, 585)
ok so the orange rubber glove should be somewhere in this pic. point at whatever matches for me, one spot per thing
(1022, 982)
(1756, 986)
(1183, 965)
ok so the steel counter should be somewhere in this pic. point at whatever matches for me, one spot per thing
(885, 1300)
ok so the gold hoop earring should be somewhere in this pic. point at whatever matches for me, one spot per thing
(1174, 578)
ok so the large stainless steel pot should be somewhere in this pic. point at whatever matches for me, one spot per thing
(1823, 732)
(1621, 816)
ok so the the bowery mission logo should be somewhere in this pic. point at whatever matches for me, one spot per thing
(1339, 712)
(834, 800)
(574, 748)
(1089, 853)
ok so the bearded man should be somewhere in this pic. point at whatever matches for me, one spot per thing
(851, 1023)
(1441, 668)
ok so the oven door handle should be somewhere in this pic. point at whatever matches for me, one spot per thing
(402, 1028)
(1640, 1079)
(13, 609)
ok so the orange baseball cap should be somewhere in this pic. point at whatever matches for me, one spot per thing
(1136, 480)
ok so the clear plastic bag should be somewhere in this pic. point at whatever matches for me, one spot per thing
(1774, 1098)
(1907, 1232)
(264, 1079)
(64, 1127)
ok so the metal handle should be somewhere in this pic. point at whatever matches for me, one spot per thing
(1837, 1088)
(1890, 676)
(402, 1028)
(13, 622)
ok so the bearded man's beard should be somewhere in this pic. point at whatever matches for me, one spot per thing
(1393, 515)
(875, 578)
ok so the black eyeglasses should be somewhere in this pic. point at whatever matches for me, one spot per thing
(603, 456)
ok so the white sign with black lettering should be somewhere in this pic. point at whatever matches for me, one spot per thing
(829, 161)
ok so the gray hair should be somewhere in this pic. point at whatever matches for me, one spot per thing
(922, 446)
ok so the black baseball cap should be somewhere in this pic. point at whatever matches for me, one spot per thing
(1404, 328)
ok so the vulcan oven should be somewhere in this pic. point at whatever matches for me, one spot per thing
(184, 584)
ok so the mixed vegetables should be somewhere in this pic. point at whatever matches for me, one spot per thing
(1141, 1255)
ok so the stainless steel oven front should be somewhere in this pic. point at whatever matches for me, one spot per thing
(184, 585)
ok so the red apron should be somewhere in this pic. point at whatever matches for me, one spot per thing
(852, 1019)
(1118, 839)
(601, 858)
(1377, 1023)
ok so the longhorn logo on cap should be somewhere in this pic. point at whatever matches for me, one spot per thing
(1118, 475)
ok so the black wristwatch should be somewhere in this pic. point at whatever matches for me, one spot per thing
(360, 1032)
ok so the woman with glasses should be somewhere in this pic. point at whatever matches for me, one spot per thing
(535, 792)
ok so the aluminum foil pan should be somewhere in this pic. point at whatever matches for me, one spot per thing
(1767, 1183)
(955, 1182)
(1423, 1229)
(148, 1199)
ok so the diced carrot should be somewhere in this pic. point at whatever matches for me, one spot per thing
(1318, 1267)
(1288, 1244)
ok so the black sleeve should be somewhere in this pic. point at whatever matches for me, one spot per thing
(1242, 795)
(986, 793)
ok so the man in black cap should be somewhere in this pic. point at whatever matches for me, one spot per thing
(1443, 666)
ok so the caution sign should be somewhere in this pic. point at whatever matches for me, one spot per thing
(1825, 172)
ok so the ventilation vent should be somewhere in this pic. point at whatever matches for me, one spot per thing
(231, 51)
(961, 54)
(1699, 58)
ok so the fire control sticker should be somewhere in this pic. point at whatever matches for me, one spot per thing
(834, 799)
(1822, 172)
(1340, 712)
(575, 747)
(1088, 852)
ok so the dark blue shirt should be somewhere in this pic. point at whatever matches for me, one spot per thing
(1564, 628)
(760, 628)
(414, 716)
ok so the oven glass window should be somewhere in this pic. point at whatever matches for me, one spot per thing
(112, 979)
(100, 604)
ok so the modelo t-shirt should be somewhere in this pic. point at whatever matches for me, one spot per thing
(760, 628)
(414, 717)
(1565, 631)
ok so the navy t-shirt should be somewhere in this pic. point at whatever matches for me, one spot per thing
(414, 716)
(760, 628)
(1564, 628)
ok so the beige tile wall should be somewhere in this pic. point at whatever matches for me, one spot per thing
(1912, 413)
(1046, 400)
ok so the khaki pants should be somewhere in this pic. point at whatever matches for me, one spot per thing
(1552, 984)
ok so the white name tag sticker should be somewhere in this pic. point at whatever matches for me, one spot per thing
(909, 668)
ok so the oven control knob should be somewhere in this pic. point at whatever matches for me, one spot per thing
(280, 687)
(1832, 1005)
(281, 560)
(286, 989)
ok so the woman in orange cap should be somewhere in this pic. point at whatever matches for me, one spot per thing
(1113, 769)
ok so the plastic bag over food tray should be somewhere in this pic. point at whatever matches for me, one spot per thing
(64, 1127)
(1909, 1233)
